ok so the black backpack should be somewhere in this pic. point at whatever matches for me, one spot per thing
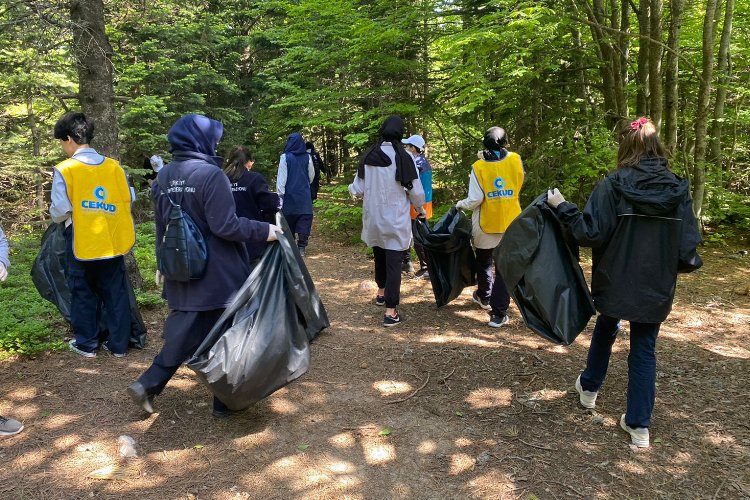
(183, 253)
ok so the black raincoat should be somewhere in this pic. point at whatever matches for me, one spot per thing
(640, 224)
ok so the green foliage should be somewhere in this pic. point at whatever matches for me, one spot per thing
(28, 324)
(337, 213)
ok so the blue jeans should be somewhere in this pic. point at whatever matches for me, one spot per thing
(641, 365)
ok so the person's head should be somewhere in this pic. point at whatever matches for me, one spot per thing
(195, 133)
(309, 146)
(414, 144)
(495, 139)
(639, 140)
(392, 129)
(74, 130)
(295, 144)
(239, 160)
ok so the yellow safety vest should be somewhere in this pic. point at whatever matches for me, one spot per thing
(501, 182)
(103, 225)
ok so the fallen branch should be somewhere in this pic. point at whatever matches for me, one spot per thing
(412, 394)
(567, 486)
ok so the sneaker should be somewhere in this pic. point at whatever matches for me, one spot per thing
(115, 354)
(407, 267)
(380, 300)
(77, 350)
(391, 320)
(484, 304)
(140, 397)
(422, 273)
(9, 426)
(302, 251)
(225, 413)
(498, 321)
(587, 398)
(638, 436)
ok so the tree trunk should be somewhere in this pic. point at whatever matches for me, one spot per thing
(36, 148)
(723, 70)
(654, 63)
(701, 121)
(642, 77)
(93, 55)
(671, 95)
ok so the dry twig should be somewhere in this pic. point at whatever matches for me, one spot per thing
(412, 394)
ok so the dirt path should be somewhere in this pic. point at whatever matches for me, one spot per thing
(441, 406)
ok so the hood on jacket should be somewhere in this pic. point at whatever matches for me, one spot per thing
(295, 145)
(195, 136)
(651, 187)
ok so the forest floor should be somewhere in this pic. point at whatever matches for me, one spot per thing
(441, 406)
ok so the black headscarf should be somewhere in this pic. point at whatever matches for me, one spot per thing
(391, 131)
(494, 140)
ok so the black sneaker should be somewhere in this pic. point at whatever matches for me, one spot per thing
(380, 300)
(498, 321)
(484, 304)
(422, 273)
(225, 413)
(391, 320)
(302, 251)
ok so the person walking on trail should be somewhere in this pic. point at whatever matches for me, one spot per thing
(319, 168)
(8, 426)
(640, 224)
(388, 181)
(251, 195)
(296, 173)
(494, 186)
(415, 146)
(92, 196)
(195, 181)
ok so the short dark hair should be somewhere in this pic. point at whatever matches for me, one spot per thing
(76, 126)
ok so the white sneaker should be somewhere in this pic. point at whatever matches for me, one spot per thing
(587, 398)
(638, 436)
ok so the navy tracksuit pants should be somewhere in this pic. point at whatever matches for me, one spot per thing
(184, 331)
(91, 283)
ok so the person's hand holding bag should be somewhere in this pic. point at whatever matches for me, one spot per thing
(273, 232)
(554, 198)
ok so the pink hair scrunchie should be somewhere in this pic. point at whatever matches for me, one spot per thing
(635, 125)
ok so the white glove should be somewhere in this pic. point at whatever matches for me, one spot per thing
(159, 278)
(3, 272)
(554, 198)
(273, 232)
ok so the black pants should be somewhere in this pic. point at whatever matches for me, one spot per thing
(421, 255)
(388, 273)
(183, 333)
(91, 283)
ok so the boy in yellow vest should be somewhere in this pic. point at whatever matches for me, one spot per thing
(494, 185)
(91, 195)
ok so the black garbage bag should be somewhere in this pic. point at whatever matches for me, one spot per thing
(262, 341)
(538, 261)
(450, 259)
(48, 276)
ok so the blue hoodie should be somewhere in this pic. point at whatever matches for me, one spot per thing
(297, 198)
(194, 180)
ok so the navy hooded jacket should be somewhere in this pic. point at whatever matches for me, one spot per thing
(195, 181)
(297, 196)
(254, 201)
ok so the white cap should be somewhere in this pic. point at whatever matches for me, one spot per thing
(156, 163)
(415, 140)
